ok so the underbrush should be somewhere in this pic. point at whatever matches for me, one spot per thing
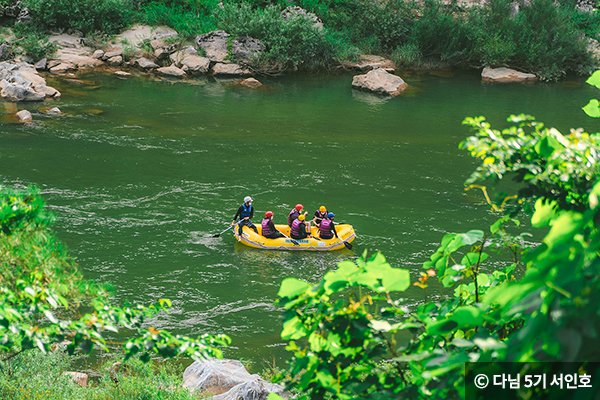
(187, 22)
(33, 375)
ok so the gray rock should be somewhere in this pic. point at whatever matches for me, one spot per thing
(227, 380)
(195, 65)
(230, 69)
(98, 54)
(65, 40)
(245, 49)
(505, 75)
(214, 44)
(24, 116)
(54, 111)
(6, 52)
(116, 60)
(144, 63)
(63, 68)
(295, 11)
(20, 93)
(47, 91)
(42, 64)
(111, 54)
(161, 53)
(171, 71)
(254, 390)
(379, 81)
(53, 63)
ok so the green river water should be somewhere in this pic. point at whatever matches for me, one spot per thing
(139, 188)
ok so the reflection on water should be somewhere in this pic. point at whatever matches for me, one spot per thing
(142, 172)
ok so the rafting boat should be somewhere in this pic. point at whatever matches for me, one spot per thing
(311, 243)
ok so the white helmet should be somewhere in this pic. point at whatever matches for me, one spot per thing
(247, 199)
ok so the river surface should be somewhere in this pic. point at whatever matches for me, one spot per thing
(139, 188)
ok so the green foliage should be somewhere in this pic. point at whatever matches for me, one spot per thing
(41, 290)
(188, 23)
(592, 109)
(34, 375)
(290, 43)
(108, 16)
(542, 305)
(549, 164)
(344, 339)
(37, 46)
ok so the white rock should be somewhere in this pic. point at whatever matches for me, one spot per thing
(505, 75)
(230, 69)
(54, 111)
(379, 81)
(78, 377)
(195, 64)
(116, 60)
(145, 63)
(24, 116)
(123, 74)
(171, 71)
(98, 54)
(63, 68)
(20, 93)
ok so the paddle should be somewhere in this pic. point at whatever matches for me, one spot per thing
(219, 234)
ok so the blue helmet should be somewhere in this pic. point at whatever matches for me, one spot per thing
(330, 215)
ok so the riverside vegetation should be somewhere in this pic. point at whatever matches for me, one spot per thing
(351, 333)
(544, 37)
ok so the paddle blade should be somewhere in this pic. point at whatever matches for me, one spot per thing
(216, 235)
(348, 245)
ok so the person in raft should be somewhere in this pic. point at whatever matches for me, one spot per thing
(320, 214)
(268, 227)
(296, 211)
(299, 228)
(327, 228)
(245, 212)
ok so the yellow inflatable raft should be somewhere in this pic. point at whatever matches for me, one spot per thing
(252, 239)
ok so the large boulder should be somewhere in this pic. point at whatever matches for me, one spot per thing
(245, 49)
(195, 65)
(230, 70)
(379, 81)
(16, 92)
(69, 41)
(505, 75)
(214, 45)
(227, 380)
(139, 34)
(6, 52)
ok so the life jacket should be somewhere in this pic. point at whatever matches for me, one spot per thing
(325, 229)
(246, 211)
(266, 230)
(292, 217)
(297, 228)
(320, 216)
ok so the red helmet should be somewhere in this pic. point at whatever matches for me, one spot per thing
(299, 207)
(269, 214)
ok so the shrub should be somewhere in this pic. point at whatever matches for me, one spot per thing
(290, 43)
(188, 23)
(108, 16)
(37, 46)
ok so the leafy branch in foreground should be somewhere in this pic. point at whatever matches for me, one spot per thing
(353, 336)
(42, 292)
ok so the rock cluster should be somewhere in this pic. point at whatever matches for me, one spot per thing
(227, 380)
(21, 82)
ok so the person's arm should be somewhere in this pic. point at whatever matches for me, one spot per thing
(239, 212)
(271, 225)
(334, 231)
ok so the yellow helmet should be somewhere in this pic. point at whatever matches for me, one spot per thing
(301, 217)
(322, 209)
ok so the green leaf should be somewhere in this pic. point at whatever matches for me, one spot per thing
(274, 396)
(293, 329)
(396, 280)
(594, 79)
(592, 109)
(50, 316)
(545, 211)
(472, 236)
(467, 316)
(292, 287)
